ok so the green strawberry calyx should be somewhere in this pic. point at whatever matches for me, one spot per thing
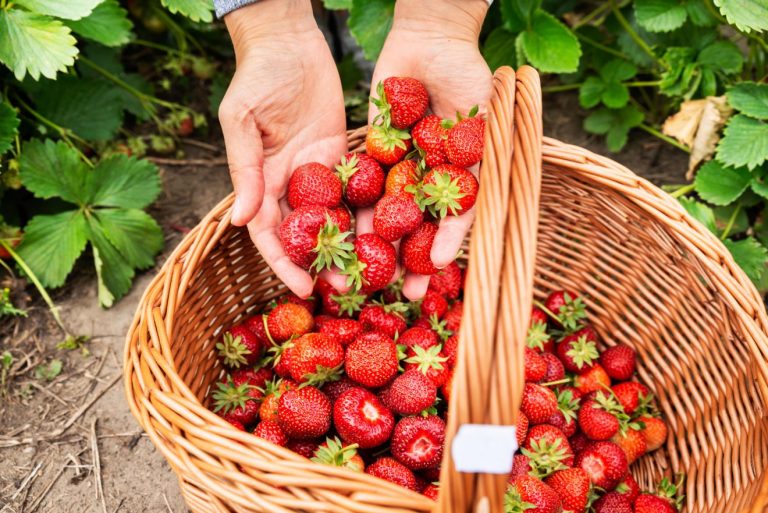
(389, 138)
(537, 336)
(440, 327)
(546, 457)
(332, 247)
(232, 350)
(346, 169)
(442, 196)
(583, 352)
(427, 359)
(353, 270)
(514, 503)
(349, 302)
(609, 403)
(334, 453)
(229, 397)
(567, 404)
(322, 375)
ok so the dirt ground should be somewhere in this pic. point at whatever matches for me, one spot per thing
(52, 432)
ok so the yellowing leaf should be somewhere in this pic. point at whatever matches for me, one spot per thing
(64, 9)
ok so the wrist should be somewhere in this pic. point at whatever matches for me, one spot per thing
(462, 19)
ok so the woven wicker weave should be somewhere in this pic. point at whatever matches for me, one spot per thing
(654, 279)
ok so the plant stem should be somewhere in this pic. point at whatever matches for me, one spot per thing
(560, 88)
(592, 15)
(682, 191)
(731, 222)
(665, 138)
(158, 46)
(641, 83)
(600, 46)
(634, 35)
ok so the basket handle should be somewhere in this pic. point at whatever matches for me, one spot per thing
(488, 380)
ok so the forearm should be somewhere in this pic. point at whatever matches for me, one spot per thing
(462, 19)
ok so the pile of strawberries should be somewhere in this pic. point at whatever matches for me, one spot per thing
(414, 173)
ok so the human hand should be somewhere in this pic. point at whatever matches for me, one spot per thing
(436, 42)
(283, 108)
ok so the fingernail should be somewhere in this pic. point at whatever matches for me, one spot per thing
(236, 209)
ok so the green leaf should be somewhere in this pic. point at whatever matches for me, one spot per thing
(660, 15)
(195, 10)
(499, 48)
(369, 23)
(517, 14)
(744, 143)
(591, 92)
(52, 244)
(122, 181)
(750, 255)
(67, 10)
(721, 185)
(114, 274)
(675, 81)
(50, 371)
(91, 108)
(9, 124)
(349, 72)
(337, 4)
(616, 95)
(749, 98)
(53, 169)
(550, 46)
(747, 15)
(219, 86)
(724, 214)
(617, 70)
(108, 24)
(721, 56)
(135, 235)
(34, 44)
(699, 211)
(615, 124)
(699, 14)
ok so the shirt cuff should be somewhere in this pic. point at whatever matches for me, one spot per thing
(223, 7)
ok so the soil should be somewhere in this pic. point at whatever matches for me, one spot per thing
(43, 470)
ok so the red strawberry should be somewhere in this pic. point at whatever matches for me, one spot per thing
(555, 369)
(287, 320)
(612, 502)
(237, 424)
(333, 452)
(257, 378)
(336, 304)
(334, 389)
(647, 503)
(313, 184)
(271, 432)
(531, 495)
(522, 428)
(272, 392)
(401, 101)
(341, 217)
(387, 319)
(431, 491)
(448, 190)
(548, 448)
(534, 365)
(393, 471)
(602, 417)
(452, 318)
(235, 402)
(344, 331)
(387, 145)
(410, 393)
(592, 379)
(429, 136)
(418, 336)
(305, 448)
(431, 362)
(538, 339)
(521, 466)
(372, 265)
(257, 326)
(632, 442)
(655, 432)
(360, 418)
(401, 177)
(304, 413)
(416, 247)
(321, 319)
(362, 179)
(309, 303)
(539, 403)
(631, 394)
(568, 307)
(432, 304)
(565, 424)
(629, 488)
(578, 351)
(417, 442)
(619, 362)
(464, 144)
(578, 442)
(446, 388)
(312, 239)
(451, 350)
(239, 346)
(315, 359)
(573, 487)
(396, 215)
(372, 360)
(538, 316)
(447, 281)
(604, 462)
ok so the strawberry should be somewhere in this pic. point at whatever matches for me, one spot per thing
(255, 377)
(315, 359)
(604, 462)
(287, 320)
(602, 417)
(451, 350)
(629, 488)
(304, 413)
(314, 184)
(566, 425)
(429, 136)
(341, 217)
(372, 360)
(619, 362)
(577, 351)
(393, 471)
(418, 336)
(612, 502)
(538, 339)
(568, 308)
(333, 452)
(396, 215)
(579, 442)
(522, 428)
(360, 418)
(431, 474)
(565, 417)
(410, 393)
(555, 369)
(647, 503)
(272, 432)
(343, 331)
(631, 394)
(309, 303)
(402, 177)
(258, 327)
(539, 403)
(521, 466)
(446, 388)
(305, 448)
(372, 265)
(312, 240)
(236, 424)
(573, 487)
(464, 143)
(272, 392)
(655, 432)
(387, 319)
(548, 449)
(447, 281)
(592, 379)
(452, 318)
(538, 316)
(235, 402)
(448, 190)
(431, 491)
(362, 179)
(432, 304)
(530, 495)
(632, 442)
(387, 145)
(430, 362)
(321, 319)
(336, 304)
(534, 365)
(417, 442)
(335, 388)
(239, 346)
(401, 101)
(416, 247)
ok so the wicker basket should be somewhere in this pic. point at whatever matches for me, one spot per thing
(654, 279)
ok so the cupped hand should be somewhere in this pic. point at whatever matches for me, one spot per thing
(438, 45)
(283, 108)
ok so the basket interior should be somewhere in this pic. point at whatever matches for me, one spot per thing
(643, 289)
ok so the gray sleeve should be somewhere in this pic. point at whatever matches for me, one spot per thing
(223, 7)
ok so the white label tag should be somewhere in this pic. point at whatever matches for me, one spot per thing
(484, 448)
